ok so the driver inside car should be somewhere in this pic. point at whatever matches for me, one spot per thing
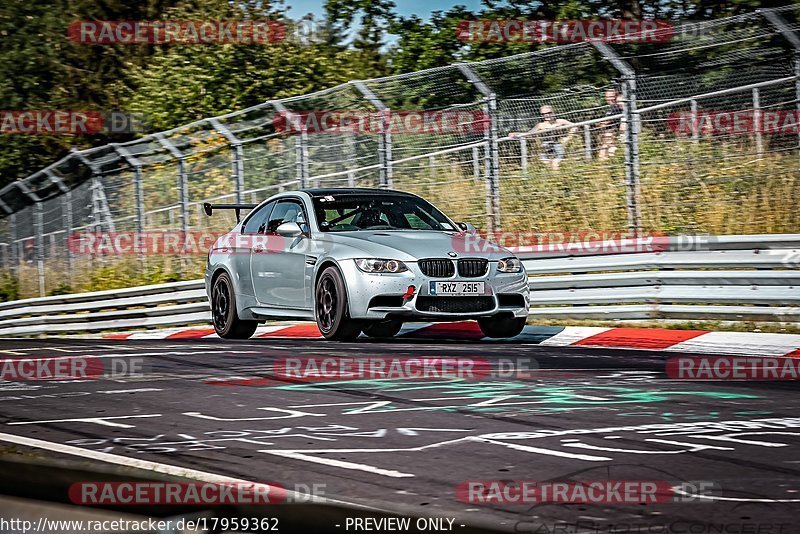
(370, 217)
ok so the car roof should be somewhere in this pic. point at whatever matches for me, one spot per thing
(321, 192)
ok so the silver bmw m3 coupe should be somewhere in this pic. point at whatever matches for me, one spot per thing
(359, 260)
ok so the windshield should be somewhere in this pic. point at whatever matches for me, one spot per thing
(347, 213)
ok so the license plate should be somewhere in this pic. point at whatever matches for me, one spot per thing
(456, 289)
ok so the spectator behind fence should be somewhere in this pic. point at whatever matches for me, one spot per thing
(29, 250)
(554, 134)
(612, 129)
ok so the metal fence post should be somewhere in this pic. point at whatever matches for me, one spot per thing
(523, 154)
(183, 185)
(587, 143)
(492, 147)
(386, 165)
(350, 144)
(66, 211)
(797, 92)
(97, 223)
(301, 148)
(238, 156)
(385, 140)
(695, 125)
(632, 129)
(632, 155)
(494, 161)
(476, 164)
(757, 122)
(14, 257)
(38, 228)
(138, 188)
(789, 34)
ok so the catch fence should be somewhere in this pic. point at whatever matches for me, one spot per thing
(696, 134)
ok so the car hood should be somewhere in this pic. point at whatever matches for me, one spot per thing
(410, 245)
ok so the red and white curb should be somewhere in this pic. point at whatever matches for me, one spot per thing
(687, 341)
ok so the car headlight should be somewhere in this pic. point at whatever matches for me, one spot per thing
(375, 265)
(509, 265)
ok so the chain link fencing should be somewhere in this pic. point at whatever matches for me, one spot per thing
(696, 133)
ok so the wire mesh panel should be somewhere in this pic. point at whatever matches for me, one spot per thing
(454, 181)
(717, 160)
(269, 161)
(116, 193)
(561, 164)
(25, 243)
(703, 57)
(694, 131)
(326, 139)
(723, 164)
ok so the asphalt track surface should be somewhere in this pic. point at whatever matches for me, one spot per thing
(405, 446)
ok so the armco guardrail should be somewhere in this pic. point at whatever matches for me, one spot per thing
(730, 278)
(178, 303)
(726, 278)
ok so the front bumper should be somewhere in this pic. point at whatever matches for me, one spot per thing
(369, 293)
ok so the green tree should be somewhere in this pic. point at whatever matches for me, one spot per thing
(370, 19)
(42, 69)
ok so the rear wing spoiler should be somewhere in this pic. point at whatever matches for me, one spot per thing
(209, 208)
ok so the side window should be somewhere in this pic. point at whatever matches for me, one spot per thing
(286, 211)
(257, 220)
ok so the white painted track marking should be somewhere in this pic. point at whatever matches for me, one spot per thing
(167, 469)
(572, 334)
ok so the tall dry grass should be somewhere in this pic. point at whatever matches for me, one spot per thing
(707, 187)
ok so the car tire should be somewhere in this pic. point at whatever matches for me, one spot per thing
(501, 326)
(383, 329)
(227, 324)
(331, 310)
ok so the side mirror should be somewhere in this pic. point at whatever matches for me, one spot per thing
(467, 227)
(289, 229)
